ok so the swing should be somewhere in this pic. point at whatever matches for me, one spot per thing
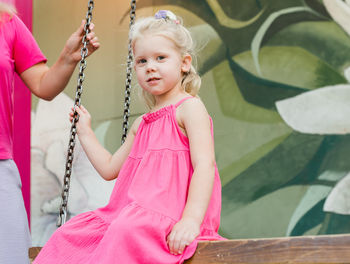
(308, 249)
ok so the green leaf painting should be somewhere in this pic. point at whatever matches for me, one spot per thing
(280, 73)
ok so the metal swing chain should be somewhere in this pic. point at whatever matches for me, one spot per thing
(128, 76)
(82, 65)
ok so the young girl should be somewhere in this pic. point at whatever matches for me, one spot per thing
(168, 193)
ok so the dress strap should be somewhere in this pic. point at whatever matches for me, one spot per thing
(183, 100)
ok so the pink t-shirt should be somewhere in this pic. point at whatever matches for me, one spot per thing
(18, 52)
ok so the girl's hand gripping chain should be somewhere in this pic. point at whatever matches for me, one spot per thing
(84, 123)
(182, 234)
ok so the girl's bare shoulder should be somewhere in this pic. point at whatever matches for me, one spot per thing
(192, 108)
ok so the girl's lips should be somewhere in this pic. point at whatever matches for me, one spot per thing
(153, 79)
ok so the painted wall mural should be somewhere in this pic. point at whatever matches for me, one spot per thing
(283, 65)
(276, 82)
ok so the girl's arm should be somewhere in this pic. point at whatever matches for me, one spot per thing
(47, 82)
(194, 117)
(106, 164)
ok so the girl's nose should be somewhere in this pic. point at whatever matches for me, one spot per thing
(150, 67)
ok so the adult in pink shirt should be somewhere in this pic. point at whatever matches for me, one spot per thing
(19, 53)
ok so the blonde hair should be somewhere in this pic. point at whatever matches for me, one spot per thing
(175, 31)
(6, 9)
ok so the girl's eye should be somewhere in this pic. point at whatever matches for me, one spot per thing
(159, 58)
(140, 61)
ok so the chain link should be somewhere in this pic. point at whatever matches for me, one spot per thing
(63, 214)
(128, 76)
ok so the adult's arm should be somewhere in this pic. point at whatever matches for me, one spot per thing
(47, 82)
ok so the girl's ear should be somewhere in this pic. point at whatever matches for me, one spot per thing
(186, 63)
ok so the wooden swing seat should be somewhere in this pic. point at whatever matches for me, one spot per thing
(306, 249)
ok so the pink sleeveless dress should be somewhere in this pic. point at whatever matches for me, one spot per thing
(148, 199)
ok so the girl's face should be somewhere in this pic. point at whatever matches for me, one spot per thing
(159, 65)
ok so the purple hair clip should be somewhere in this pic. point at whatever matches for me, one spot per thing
(167, 15)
